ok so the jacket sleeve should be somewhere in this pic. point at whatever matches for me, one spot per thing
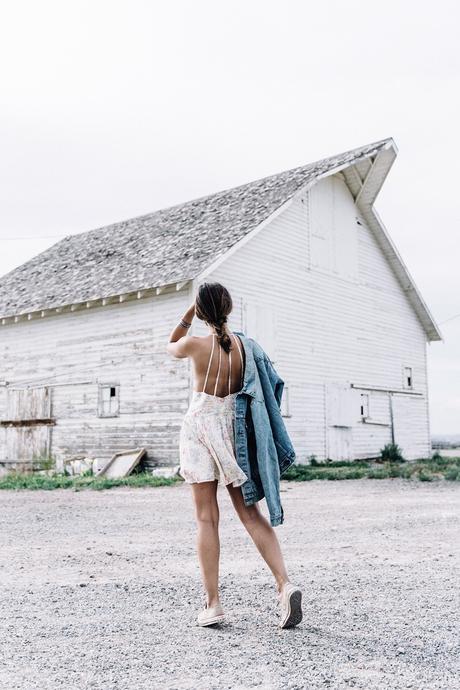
(276, 381)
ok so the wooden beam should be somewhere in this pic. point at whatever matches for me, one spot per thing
(355, 179)
(381, 389)
(365, 181)
(27, 422)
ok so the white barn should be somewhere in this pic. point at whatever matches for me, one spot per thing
(314, 277)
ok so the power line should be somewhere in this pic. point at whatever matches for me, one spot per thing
(451, 318)
(33, 237)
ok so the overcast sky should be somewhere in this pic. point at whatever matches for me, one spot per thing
(112, 109)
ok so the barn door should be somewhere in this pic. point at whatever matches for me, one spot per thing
(410, 427)
(339, 421)
(25, 425)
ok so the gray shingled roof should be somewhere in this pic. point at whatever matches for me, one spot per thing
(174, 244)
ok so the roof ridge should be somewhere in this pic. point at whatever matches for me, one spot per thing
(226, 190)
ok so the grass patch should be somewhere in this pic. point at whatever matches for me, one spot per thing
(425, 470)
(17, 480)
(452, 474)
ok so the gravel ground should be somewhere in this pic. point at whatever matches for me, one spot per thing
(101, 590)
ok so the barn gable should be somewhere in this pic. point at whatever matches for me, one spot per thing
(332, 316)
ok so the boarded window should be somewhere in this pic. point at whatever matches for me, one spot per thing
(341, 410)
(321, 225)
(28, 403)
(25, 444)
(333, 228)
(109, 400)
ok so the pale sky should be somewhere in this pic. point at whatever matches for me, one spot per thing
(113, 109)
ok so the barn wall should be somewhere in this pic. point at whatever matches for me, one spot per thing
(314, 288)
(122, 345)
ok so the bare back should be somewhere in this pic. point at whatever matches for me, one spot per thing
(215, 371)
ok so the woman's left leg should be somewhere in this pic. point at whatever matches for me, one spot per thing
(262, 534)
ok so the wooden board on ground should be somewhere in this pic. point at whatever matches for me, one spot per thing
(165, 472)
(122, 464)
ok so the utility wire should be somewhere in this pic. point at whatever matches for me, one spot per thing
(451, 318)
(33, 237)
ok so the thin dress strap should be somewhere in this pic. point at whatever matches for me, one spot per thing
(229, 371)
(209, 365)
(241, 357)
(218, 370)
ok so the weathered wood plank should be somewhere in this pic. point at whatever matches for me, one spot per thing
(124, 343)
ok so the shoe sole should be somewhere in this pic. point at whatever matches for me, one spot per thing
(212, 621)
(294, 615)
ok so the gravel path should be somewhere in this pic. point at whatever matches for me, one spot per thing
(101, 590)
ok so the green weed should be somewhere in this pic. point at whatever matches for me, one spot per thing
(18, 480)
(424, 469)
(391, 453)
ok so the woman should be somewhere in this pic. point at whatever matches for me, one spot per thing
(207, 449)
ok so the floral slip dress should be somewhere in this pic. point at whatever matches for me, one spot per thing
(207, 441)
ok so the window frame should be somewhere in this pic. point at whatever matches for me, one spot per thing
(101, 412)
(365, 406)
(408, 379)
(285, 402)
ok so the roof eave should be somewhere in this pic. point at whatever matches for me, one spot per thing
(371, 186)
(96, 302)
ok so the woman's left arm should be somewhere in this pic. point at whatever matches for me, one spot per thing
(179, 344)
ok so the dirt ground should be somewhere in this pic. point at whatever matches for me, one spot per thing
(101, 590)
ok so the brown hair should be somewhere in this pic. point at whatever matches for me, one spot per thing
(213, 304)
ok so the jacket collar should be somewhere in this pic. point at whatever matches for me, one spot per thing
(250, 367)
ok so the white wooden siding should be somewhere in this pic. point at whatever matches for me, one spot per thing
(313, 287)
(342, 324)
(122, 344)
(259, 322)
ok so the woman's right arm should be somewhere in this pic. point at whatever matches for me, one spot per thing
(180, 344)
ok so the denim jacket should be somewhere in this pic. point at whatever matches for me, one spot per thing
(263, 448)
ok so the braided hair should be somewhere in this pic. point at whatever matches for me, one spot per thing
(213, 305)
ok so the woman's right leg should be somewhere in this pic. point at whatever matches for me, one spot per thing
(208, 545)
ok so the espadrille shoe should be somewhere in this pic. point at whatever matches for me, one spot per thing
(211, 615)
(290, 602)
